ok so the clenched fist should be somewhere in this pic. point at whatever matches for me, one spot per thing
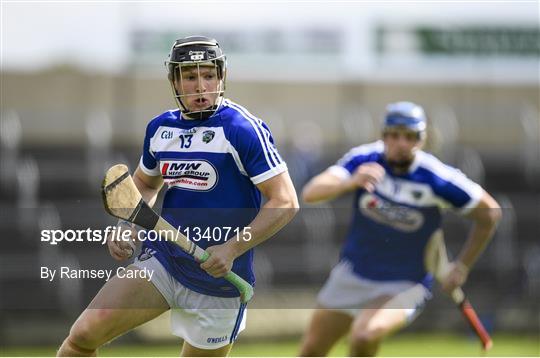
(122, 249)
(367, 176)
(456, 276)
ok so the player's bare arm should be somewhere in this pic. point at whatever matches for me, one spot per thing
(485, 217)
(281, 206)
(327, 186)
(149, 187)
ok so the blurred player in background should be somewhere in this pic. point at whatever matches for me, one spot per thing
(380, 283)
(217, 159)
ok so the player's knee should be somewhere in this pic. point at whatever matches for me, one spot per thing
(311, 347)
(366, 337)
(81, 337)
(311, 351)
(70, 348)
(90, 332)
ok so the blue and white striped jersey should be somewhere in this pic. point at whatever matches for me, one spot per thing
(211, 168)
(392, 225)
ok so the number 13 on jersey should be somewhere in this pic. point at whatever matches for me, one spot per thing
(185, 140)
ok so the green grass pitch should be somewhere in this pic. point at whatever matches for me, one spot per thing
(407, 344)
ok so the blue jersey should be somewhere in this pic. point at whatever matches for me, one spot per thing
(391, 226)
(211, 168)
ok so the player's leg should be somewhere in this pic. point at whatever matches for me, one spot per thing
(332, 320)
(385, 315)
(120, 305)
(372, 325)
(325, 329)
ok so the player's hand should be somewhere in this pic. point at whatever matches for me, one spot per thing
(456, 276)
(367, 176)
(220, 261)
(119, 249)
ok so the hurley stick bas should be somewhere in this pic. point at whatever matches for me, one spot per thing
(123, 200)
(436, 262)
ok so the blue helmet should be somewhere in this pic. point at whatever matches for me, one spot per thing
(405, 114)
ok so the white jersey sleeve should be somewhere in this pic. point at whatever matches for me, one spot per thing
(347, 164)
(451, 185)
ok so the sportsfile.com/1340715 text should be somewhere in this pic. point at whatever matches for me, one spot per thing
(194, 233)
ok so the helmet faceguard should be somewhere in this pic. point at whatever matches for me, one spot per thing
(195, 54)
(406, 115)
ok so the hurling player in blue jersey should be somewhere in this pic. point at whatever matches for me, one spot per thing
(379, 285)
(216, 160)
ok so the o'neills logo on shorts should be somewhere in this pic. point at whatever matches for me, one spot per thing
(195, 174)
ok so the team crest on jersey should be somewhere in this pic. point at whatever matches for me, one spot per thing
(208, 136)
(384, 212)
(191, 174)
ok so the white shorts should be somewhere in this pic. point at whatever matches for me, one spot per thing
(205, 328)
(347, 292)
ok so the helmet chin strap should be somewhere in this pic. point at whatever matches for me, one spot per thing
(204, 114)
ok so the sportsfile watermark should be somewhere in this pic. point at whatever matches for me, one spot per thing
(115, 233)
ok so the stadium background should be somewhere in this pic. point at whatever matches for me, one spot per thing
(80, 84)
